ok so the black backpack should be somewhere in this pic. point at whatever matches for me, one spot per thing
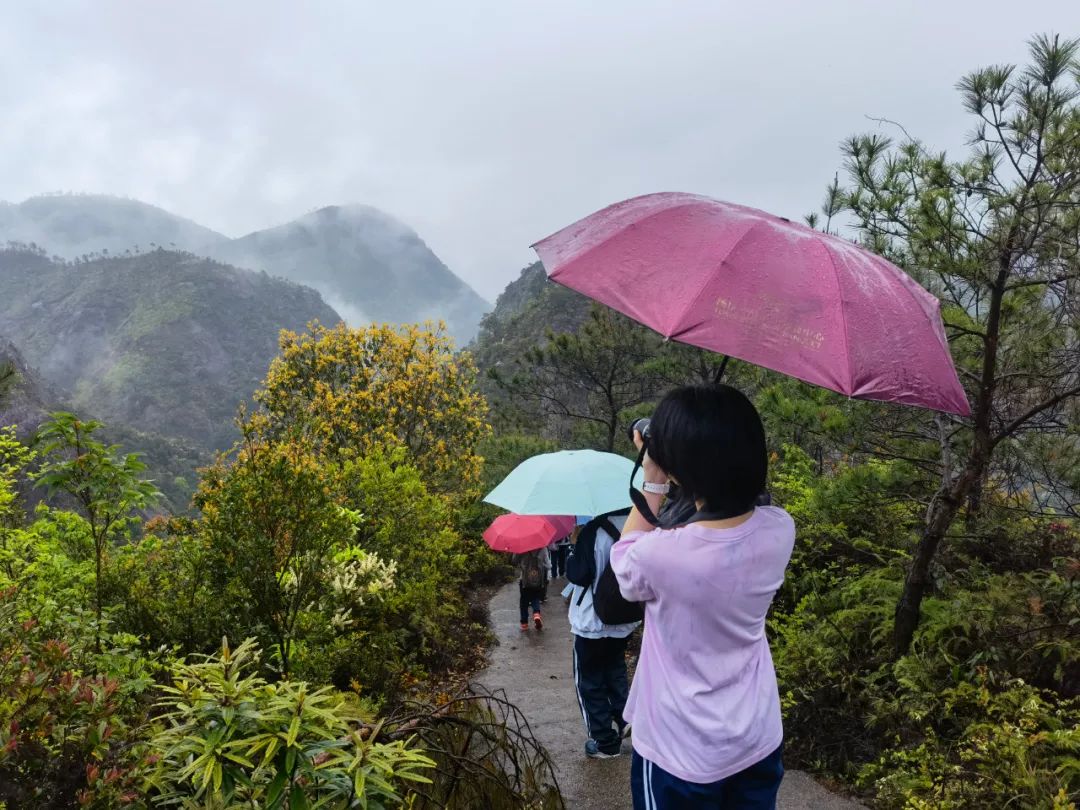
(608, 601)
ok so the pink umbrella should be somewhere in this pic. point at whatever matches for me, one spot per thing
(521, 533)
(766, 290)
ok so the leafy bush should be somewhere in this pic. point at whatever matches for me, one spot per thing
(105, 483)
(271, 519)
(69, 715)
(14, 457)
(162, 588)
(983, 711)
(1017, 747)
(231, 739)
(354, 391)
(350, 574)
(51, 559)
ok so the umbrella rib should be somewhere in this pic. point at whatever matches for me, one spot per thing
(843, 317)
(932, 325)
(554, 275)
(705, 285)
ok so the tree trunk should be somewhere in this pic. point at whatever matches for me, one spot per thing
(974, 503)
(953, 494)
(612, 429)
(98, 551)
(943, 509)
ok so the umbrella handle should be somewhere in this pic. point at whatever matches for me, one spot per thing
(720, 371)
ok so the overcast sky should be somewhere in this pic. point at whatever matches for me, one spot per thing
(484, 125)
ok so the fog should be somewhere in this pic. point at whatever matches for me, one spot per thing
(483, 125)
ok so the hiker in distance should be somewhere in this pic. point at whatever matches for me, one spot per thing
(704, 702)
(533, 571)
(559, 549)
(599, 646)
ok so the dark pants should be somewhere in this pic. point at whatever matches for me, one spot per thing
(530, 597)
(600, 677)
(752, 788)
(558, 561)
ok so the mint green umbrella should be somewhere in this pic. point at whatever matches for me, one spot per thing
(570, 482)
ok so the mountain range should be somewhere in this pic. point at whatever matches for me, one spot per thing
(529, 308)
(127, 313)
(26, 401)
(366, 264)
(162, 341)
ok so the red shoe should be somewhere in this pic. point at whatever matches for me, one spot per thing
(524, 627)
(538, 621)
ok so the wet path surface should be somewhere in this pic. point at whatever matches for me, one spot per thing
(536, 671)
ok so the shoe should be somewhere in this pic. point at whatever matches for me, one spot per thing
(524, 627)
(538, 621)
(594, 751)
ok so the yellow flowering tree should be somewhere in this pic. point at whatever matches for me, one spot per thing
(381, 387)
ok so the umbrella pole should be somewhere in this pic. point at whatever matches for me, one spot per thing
(719, 376)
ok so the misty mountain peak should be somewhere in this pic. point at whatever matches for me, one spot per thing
(368, 265)
(71, 225)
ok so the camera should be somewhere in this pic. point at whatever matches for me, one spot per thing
(641, 425)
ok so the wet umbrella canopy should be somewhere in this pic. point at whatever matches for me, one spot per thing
(570, 482)
(758, 287)
(520, 533)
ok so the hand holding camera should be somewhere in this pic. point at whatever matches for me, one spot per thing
(639, 435)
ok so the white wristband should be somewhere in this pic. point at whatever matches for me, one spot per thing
(656, 489)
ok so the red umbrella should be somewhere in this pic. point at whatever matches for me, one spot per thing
(521, 533)
(751, 285)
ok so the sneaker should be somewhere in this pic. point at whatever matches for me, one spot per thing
(538, 621)
(524, 627)
(594, 751)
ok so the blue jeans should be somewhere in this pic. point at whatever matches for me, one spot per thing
(753, 788)
(530, 597)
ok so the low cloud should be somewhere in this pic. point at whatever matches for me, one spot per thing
(486, 125)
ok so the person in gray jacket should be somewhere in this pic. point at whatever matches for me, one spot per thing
(599, 649)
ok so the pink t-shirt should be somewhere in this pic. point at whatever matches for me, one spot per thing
(704, 703)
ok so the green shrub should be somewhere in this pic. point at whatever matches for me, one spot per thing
(982, 712)
(350, 574)
(162, 588)
(831, 655)
(51, 559)
(70, 715)
(231, 739)
(1016, 747)
(421, 623)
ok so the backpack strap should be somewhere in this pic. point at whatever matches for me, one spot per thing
(610, 528)
(604, 522)
(581, 565)
(586, 543)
